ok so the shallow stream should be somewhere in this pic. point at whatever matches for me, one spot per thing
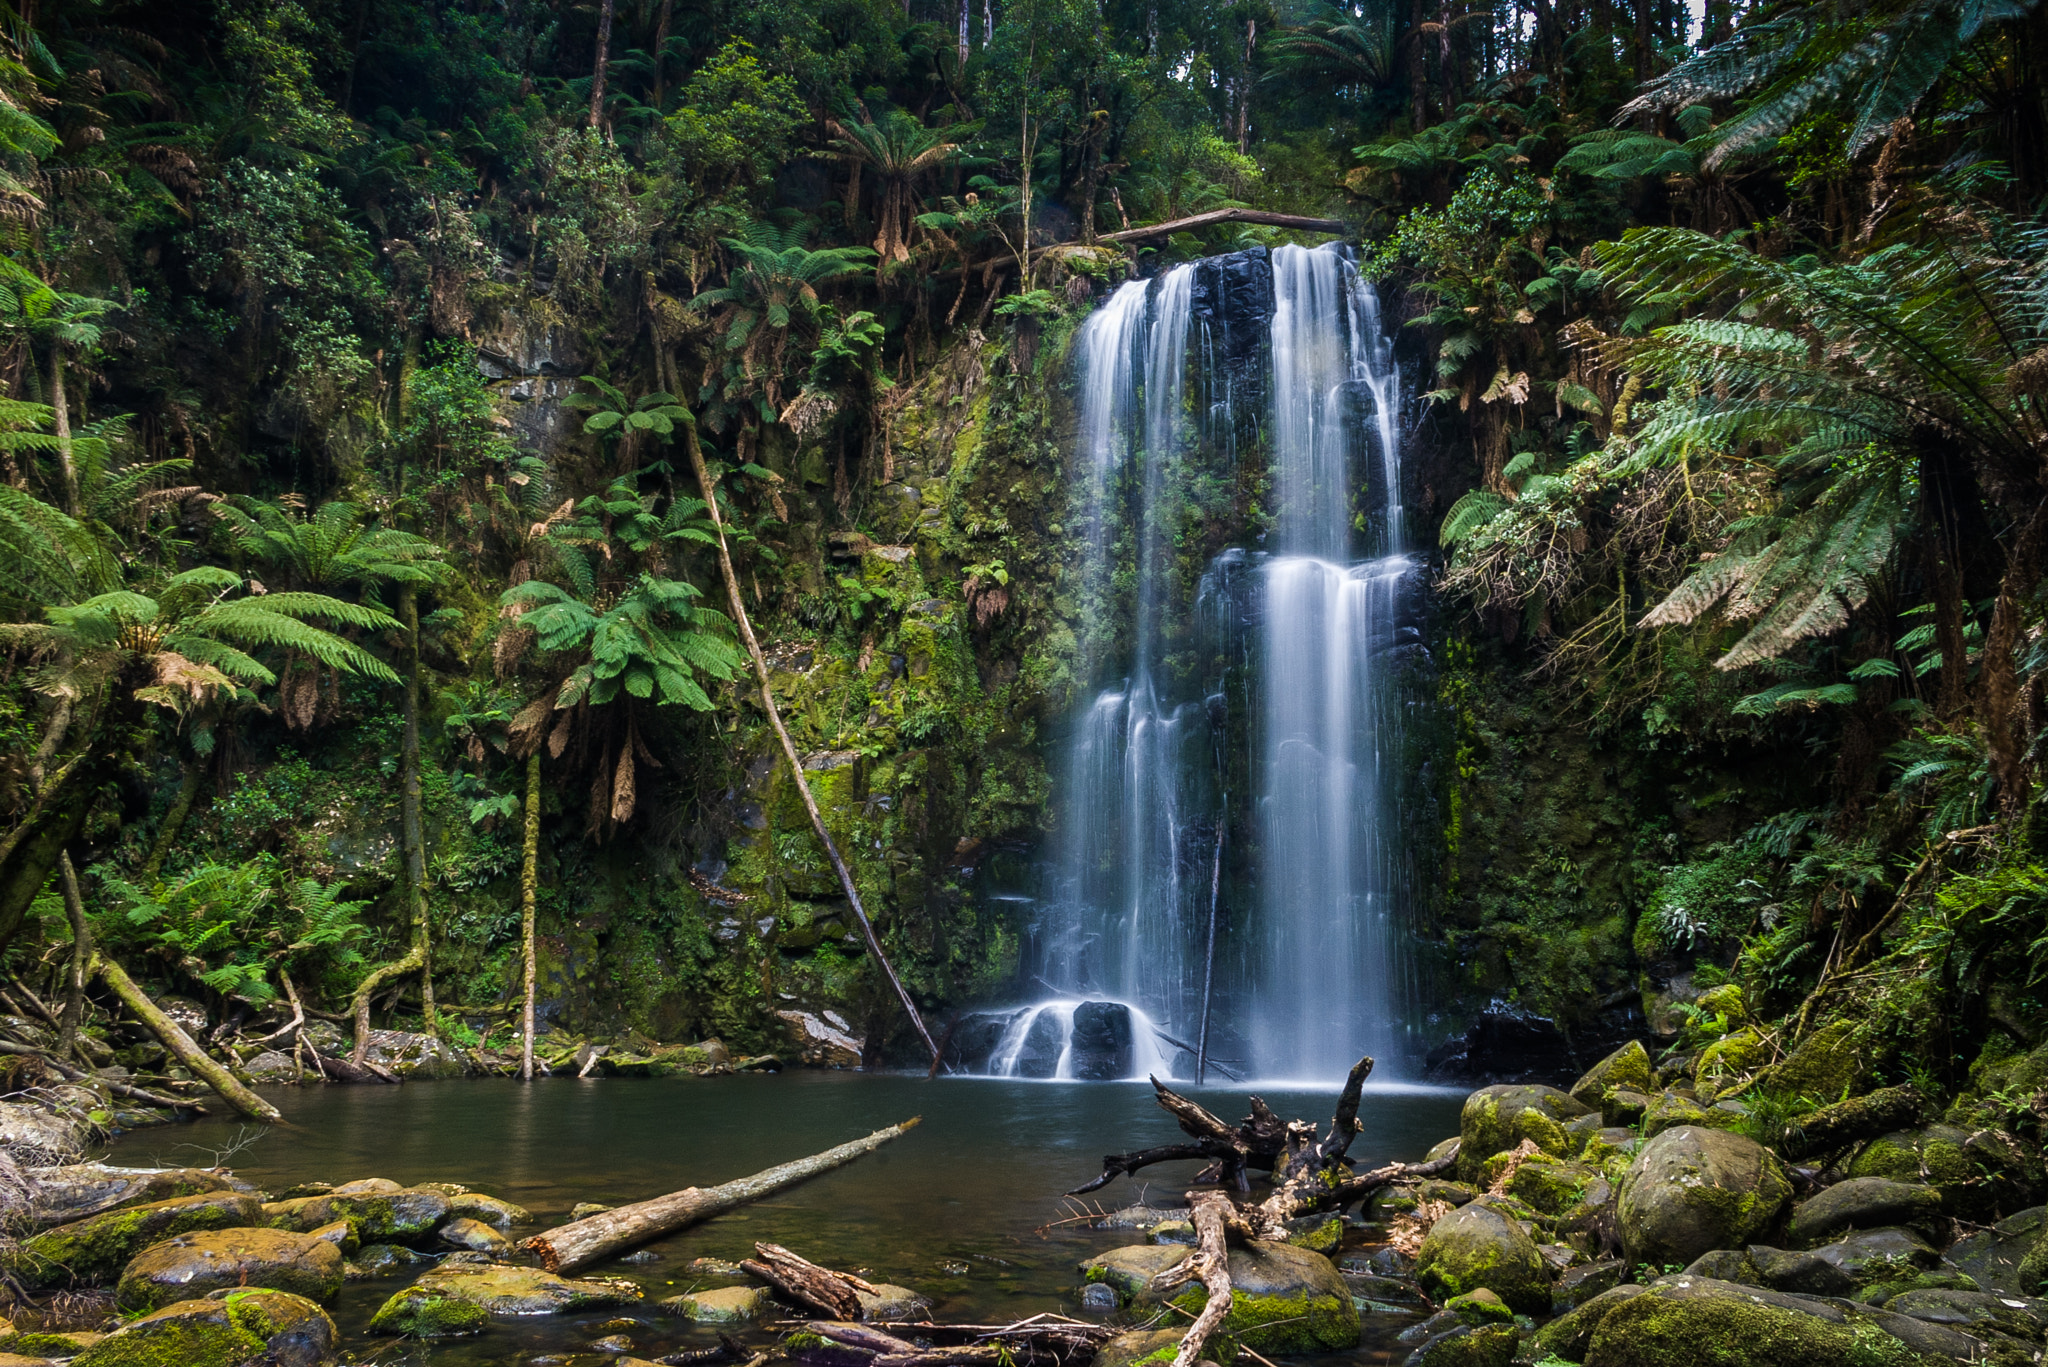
(957, 1209)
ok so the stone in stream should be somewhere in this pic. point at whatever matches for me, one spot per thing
(723, 1305)
(1129, 1271)
(387, 1260)
(1141, 1217)
(888, 1302)
(713, 1267)
(1699, 1322)
(279, 1329)
(68, 1194)
(458, 1297)
(399, 1216)
(473, 1235)
(1491, 1345)
(1283, 1300)
(499, 1215)
(194, 1264)
(1478, 1246)
(1153, 1347)
(341, 1234)
(373, 1186)
(97, 1248)
(1691, 1190)
(1865, 1203)
(270, 1067)
(1100, 1041)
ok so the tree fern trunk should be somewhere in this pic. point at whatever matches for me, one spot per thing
(604, 43)
(63, 429)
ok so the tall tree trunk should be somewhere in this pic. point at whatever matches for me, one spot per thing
(81, 959)
(604, 43)
(412, 829)
(1418, 68)
(1244, 87)
(661, 42)
(529, 873)
(174, 822)
(1999, 711)
(966, 10)
(63, 425)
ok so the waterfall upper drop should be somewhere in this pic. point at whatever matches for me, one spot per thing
(1230, 783)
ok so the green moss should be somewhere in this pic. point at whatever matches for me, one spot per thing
(424, 1315)
(1323, 1238)
(44, 1345)
(187, 1341)
(1550, 1186)
(1732, 1331)
(92, 1249)
(1283, 1324)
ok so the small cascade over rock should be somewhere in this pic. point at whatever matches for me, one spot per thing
(1064, 1039)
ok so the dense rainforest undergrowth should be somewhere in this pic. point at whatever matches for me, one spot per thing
(369, 365)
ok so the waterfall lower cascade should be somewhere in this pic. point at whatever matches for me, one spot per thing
(1244, 693)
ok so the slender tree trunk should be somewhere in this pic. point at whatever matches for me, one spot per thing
(81, 957)
(604, 44)
(796, 768)
(1418, 69)
(2000, 710)
(966, 13)
(529, 872)
(412, 829)
(661, 42)
(174, 822)
(1244, 87)
(64, 462)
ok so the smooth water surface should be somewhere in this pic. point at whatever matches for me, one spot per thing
(956, 1209)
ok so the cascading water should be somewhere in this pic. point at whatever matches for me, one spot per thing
(1311, 977)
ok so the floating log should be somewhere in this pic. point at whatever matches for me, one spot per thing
(1332, 226)
(835, 1293)
(583, 1242)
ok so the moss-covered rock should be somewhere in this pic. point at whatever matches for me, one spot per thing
(1627, 1067)
(1825, 1067)
(69, 1194)
(1552, 1185)
(97, 1248)
(1490, 1345)
(295, 1331)
(889, 1302)
(441, 1302)
(1729, 1062)
(1129, 1271)
(404, 1216)
(1283, 1300)
(499, 1215)
(1693, 1189)
(723, 1305)
(1568, 1335)
(1478, 1246)
(1480, 1307)
(239, 1327)
(1974, 1180)
(194, 1264)
(1496, 1119)
(1695, 1322)
(1865, 1203)
(1316, 1235)
(1671, 1110)
(1154, 1348)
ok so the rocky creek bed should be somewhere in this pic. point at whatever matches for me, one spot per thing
(380, 1227)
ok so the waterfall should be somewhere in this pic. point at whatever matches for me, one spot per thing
(1310, 975)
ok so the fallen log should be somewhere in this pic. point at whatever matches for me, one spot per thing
(71, 1074)
(582, 1242)
(835, 1293)
(1335, 227)
(1846, 1122)
(180, 1044)
(1209, 1264)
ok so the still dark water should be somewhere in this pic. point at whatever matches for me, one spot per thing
(955, 1209)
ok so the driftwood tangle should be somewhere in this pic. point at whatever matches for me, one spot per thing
(837, 1294)
(582, 1242)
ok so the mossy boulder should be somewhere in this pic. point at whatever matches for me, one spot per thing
(401, 1216)
(1568, 1335)
(1316, 1235)
(456, 1298)
(194, 1264)
(387, 1260)
(1480, 1307)
(1671, 1110)
(1627, 1067)
(1825, 1067)
(1729, 1062)
(1283, 1300)
(1154, 1348)
(69, 1194)
(1698, 1322)
(1552, 1185)
(98, 1247)
(1478, 1246)
(723, 1305)
(499, 1215)
(1129, 1271)
(1496, 1119)
(1491, 1345)
(1975, 1180)
(241, 1325)
(1865, 1203)
(1693, 1189)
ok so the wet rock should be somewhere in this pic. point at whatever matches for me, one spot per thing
(1171, 1232)
(1688, 1322)
(1386, 1294)
(725, 1305)
(36, 1138)
(1101, 1041)
(66, 1194)
(457, 1299)
(713, 1267)
(474, 1235)
(375, 1186)
(1490, 1345)
(196, 1333)
(1283, 1300)
(1128, 1350)
(295, 1331)
(194, 1264)
(401, 1215)
(1129, 1271)
(1577, 1285)
(270, 1067)
(1627, 1067)
(616, 1345)
(98, 1247)
(1865, 1203)
(973, 1041)
(388, 1260)
(341, 1234)
(819, 1044)
(1692, 1189)
(1568, 1335)
(1477, 1246)
(415, 1055)
(1496, 1119)
(887, 1302)
(1096, 1296)
(1140, 1217)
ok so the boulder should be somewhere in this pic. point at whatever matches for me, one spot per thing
(67, 1194)
(1577, 1285)
(474, 1235)
(271, 1067)
(1699, 1322)
(1490, 1345)
(98, 1247)
(1693, 1189)
(458, 1297)
(277, 1328)
(1283, 1300)
(1670, 1110)
(1991, 1257)
(378, 1186)
(1129, 1271)
(1871, 1256)
(1973, 1179)
(399, 1216)
(1496, 1119)
(341, 1234)
(194, 1264)
(1551, 1185)
(499, 1215)
(1865, 1203)
(1477, 1246)
(413, 1055)
(1568, 1335)
(821, 1045)
(2021, 1316)
(1100, 1044)
(888, 1302)
(387, 1260)
(1152, 1347)
(724, 1305)
(1627, 1067)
